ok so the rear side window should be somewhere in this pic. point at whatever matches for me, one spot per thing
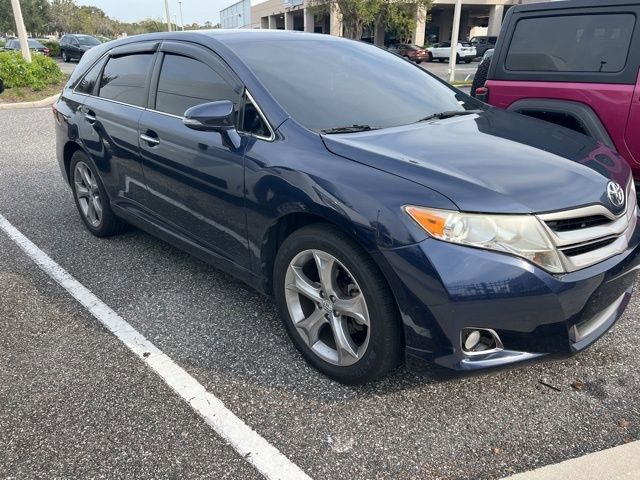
(89, 81)
(124, 78)
(571, 43)
(185, 82)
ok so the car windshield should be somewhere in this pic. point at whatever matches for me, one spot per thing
(33, 44)
(87, 40)
(333, 83)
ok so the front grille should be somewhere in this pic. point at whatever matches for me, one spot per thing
(582, 249)
(588, 235)
(569, 224)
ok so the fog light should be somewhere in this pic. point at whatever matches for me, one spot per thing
(479, 341)
(472, 340)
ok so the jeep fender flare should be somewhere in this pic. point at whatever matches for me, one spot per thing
(581, 112)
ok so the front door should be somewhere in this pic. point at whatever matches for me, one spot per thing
(195, 180)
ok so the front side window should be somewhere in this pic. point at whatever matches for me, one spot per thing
(185, 82)
(124, 78)
(252, 122)
(572, 43)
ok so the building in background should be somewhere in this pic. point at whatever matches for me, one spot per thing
(479, 17)
(237, 15)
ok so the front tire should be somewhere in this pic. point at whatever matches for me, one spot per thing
(65, 57)
(91, 198)
(336, 305)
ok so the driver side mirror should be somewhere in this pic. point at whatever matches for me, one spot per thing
(214, 117)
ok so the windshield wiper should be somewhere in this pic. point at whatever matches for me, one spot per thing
(449, 114)
(351, 129)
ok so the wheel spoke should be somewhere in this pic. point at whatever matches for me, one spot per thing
(303, 285)
(81, 190)
(312, 325)
(97, 205)
(344, 346)
(325, 264)
(86, 176)
(91, 212)
(353, 307)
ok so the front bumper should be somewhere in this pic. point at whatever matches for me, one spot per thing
(442, 288)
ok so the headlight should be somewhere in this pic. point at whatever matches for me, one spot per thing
(520, 235)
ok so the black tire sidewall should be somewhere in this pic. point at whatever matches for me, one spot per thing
(109, 224)
(385, 340)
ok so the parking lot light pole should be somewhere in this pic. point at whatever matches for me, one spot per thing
(22, 32)
(455, 33)
(181, 20)
(166, 13)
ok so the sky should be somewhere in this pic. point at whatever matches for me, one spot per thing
(133, 10)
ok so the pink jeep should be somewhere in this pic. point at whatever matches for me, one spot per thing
(575, 63)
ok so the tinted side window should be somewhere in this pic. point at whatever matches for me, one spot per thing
(571, 43)
(124, 78)
(88, 82)
(252, 121)
(185, 82)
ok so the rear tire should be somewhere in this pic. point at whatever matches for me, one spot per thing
(430, 57)
(321, 277)
(91, 198)
(467, 61)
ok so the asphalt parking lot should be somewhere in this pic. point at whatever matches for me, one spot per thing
(76, 403)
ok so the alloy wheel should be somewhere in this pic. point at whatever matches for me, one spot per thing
(327, 307)
(88, 194)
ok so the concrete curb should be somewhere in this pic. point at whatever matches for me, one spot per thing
(618, 463)
(40, 103)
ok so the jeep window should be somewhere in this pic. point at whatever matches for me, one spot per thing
(571, 43)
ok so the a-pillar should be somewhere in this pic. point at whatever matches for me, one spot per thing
(309, 21)
(496, 12)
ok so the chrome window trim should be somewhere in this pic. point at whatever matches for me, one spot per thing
(272, 135)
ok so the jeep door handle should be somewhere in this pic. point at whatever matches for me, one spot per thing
(151, 141)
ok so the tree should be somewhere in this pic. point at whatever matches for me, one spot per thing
(36, 14)
(398, 16)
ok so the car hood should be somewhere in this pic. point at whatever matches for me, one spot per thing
(492, 162)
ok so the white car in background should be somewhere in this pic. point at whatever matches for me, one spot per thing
(441, 51)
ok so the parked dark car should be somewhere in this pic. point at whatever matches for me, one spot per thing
(483, 44)
(411, 52)
(347, 195)
(34, 46)
(73, 46)
(480, 77)
(575, 63)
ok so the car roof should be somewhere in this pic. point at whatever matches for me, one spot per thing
(568, 4)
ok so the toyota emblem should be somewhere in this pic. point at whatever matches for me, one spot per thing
(615, 194)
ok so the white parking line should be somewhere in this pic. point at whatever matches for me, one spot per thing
(266, 458)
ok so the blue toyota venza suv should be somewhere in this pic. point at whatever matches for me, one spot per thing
(391, 216)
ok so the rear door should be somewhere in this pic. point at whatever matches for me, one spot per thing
(111, 111)
(195, 180)
(443, 50)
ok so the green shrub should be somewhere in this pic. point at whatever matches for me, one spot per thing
(16, 72)
(53, 46)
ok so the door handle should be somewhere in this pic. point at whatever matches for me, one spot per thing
(90, 116)
(152, 141)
